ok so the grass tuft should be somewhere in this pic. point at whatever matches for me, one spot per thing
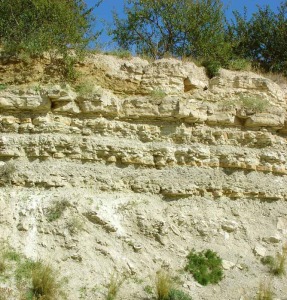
(45, 283)
(163, 285)
(121, 53)
(277, 264)
(114, 286)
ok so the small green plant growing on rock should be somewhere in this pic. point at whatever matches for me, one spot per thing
(3, 87)
(148, 289)
(85, 89)
(56, 210)
(176, 294)
(205, 266)
(277, 264)
(157, 94)
(254, 103)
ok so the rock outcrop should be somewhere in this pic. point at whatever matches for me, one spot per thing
(155, 158)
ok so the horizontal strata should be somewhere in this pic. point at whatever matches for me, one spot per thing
(146, 162)
(171, 183)
(124, 152)
(162, 119)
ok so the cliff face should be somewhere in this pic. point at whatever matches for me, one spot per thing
(153, 159)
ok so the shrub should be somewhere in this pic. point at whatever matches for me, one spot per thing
(175, 294)
(55, 211)
(32, 27)
(212, 68)
(114, 286)
(205, 266)
(163, 285)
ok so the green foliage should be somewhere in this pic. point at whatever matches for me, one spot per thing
(114, 285)
(11, 255)
(254, 103)
(121, 53)
(239, 64)
(32, 27)
(56, 210)
(175, 294)
(35, 26)
(85, 88)
(261, 38)
(45, 283)
(205, 266)
(148, 289)
(157, 94)
(3, 265)
(3, 87)
(212, 67)
(24, 269)
(163, 285)
(176, 27)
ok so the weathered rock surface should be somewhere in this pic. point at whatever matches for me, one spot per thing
(155, 159)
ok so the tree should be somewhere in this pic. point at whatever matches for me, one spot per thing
(178, 27)
(261, 39)
(36, 26)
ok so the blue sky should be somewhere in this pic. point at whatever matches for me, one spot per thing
(104, 11)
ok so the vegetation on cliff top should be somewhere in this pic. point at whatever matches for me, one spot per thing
(178, 28)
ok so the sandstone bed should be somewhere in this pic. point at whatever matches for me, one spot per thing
(154, 159)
